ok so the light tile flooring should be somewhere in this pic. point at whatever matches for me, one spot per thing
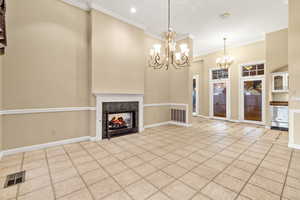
(211, 160)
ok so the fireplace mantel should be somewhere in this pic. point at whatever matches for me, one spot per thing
(105, 97)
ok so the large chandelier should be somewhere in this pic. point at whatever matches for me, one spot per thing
(178, 59)
(225, 61)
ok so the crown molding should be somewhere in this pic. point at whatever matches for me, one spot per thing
(235, 45)
(89, 5)
(153, 35)
(98, 7)
(82, 4)
(185, 36)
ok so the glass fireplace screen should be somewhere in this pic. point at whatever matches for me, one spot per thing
(120, 121)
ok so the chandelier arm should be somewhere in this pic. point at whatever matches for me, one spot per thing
(155, 62)
(183, 62)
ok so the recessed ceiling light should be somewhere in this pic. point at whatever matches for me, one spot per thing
(133, 10)
(286, 2)
(225, 15)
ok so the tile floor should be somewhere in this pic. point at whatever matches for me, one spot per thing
(212, 160)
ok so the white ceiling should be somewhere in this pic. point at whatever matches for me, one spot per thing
(249, 20)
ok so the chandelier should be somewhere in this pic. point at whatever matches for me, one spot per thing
(225, 61)
(178, 59)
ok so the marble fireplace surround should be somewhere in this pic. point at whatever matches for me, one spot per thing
(102, 97)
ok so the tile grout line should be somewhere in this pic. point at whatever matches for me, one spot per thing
(158, 169)
(212, 180)
(50, 176)
(259, 164)
(217, 141)
(286, 176)
(110, 175)
(158, 156)
(240, 154)
(73, 164)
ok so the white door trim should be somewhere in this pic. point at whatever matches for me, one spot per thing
(241, 94)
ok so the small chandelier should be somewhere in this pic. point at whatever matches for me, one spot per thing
(170, 57)
(225, 61)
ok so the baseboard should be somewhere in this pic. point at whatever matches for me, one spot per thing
(234, 120)
(294, 146)
(203, 116)
(73, 140)
(180, 124)
(43, 146)
(156, 125)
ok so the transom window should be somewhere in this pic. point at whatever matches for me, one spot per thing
(217, 74)
(253, 70)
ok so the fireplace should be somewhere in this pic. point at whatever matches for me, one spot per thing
(119, 118)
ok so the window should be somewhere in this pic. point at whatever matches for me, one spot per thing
(219, 74)
(253, 70)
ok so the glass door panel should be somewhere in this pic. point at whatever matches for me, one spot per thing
(194, 96)
(278, 82)
(253, 100)
(219, 99)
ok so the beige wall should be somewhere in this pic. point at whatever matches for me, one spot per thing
(156, 90)
(180, 81)
(245, 54)
(30, 129)
(57, 56)
(277, 50)
(118, 56)
(276, 60)
(45, 65)
(294, 63)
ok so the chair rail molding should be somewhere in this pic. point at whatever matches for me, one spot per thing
(45, 110)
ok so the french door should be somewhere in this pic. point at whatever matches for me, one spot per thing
(252, 98)
(219, 99)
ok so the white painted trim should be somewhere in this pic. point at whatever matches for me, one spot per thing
(294, 146)
(45, 110)
(230, 46)
(203, 116)
(164, 104)
(104, 97)
(185, 36)
(95, 5)
(180, 124)
(79, 4)
(295, 98)
(167, 123)
(234, 120)
(153, 35)
(241, 89)
(291, 127)
(45, 145)
(156, 125)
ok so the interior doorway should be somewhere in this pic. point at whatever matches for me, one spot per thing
(195, 95)
(219, 94)
(252, 93)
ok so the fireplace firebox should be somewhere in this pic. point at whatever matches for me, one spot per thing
(119, 118)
